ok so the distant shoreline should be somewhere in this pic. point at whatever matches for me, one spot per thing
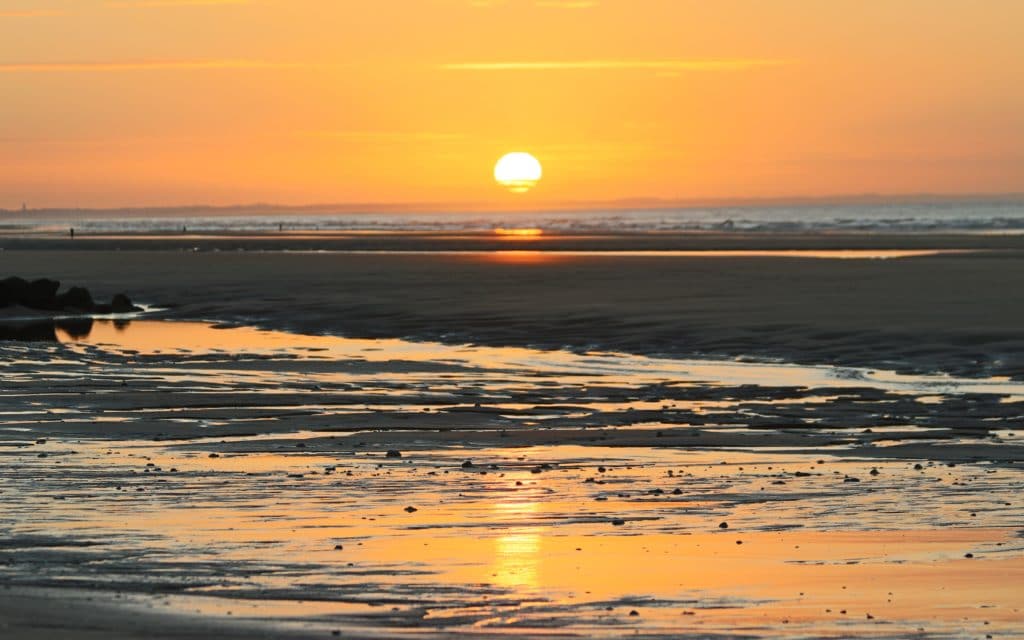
(646, 204)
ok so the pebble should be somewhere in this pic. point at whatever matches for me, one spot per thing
(411, 509)
(393, 453)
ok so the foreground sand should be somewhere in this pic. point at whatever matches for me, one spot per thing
(182, 481)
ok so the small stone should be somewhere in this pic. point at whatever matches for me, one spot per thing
(214, 455)
(634, 612)
(968, 555)
(393, 453)
(468, 464)
(918, 467)
(411, 509)
(723, 525)
(338, 547)
(618, 523)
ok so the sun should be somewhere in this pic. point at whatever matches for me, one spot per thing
(518, 171)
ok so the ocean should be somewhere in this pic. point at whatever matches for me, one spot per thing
(960, 217)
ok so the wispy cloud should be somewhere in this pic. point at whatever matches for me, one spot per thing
(566, 4)
(145, 4)
(152, 65)
(548, 4)
(33, 13)
(596, 65)
(388, 136)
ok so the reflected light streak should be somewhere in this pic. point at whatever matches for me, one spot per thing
(530, 232)
(517, 553)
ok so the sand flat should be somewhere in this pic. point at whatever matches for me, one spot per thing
(949, 312)
(572, 429)
(233, 481)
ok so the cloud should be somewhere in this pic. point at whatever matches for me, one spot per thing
(154, 65)
(33, 13)
(741, 64)
(566, 4)
(389, 136)
(146, 4)
(547, 4)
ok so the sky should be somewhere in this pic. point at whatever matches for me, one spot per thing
(112, 103)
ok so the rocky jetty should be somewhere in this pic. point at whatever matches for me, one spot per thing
(42, 295)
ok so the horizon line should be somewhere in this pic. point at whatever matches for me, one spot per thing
(640, 203)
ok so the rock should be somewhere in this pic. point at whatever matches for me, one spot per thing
(76, 298)
(41, 294)
(724, 525)
(338, 547)
(11, 290)
(618, 523)
(393, 453)
(122, 304)
(411, 509)
(634, 613)
(468, 464)
(38, 294)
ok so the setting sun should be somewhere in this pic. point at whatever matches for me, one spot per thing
(518, 171)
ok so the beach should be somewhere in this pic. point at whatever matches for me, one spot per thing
(779, 436)
(953, 312)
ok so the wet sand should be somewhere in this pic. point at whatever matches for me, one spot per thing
(954, 312)
(237, 483)
(187, 480)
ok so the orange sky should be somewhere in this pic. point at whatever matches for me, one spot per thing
(167, 102)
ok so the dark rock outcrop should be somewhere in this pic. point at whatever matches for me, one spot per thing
(76, 298)
(122, 304)
(42, 295)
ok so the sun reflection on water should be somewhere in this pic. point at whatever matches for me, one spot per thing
(517, 552)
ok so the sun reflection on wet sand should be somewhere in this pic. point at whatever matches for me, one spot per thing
(434, 490)
(521, 233)
(169, 337)
(517, 551)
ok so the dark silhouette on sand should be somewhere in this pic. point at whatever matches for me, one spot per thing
(42, 295)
